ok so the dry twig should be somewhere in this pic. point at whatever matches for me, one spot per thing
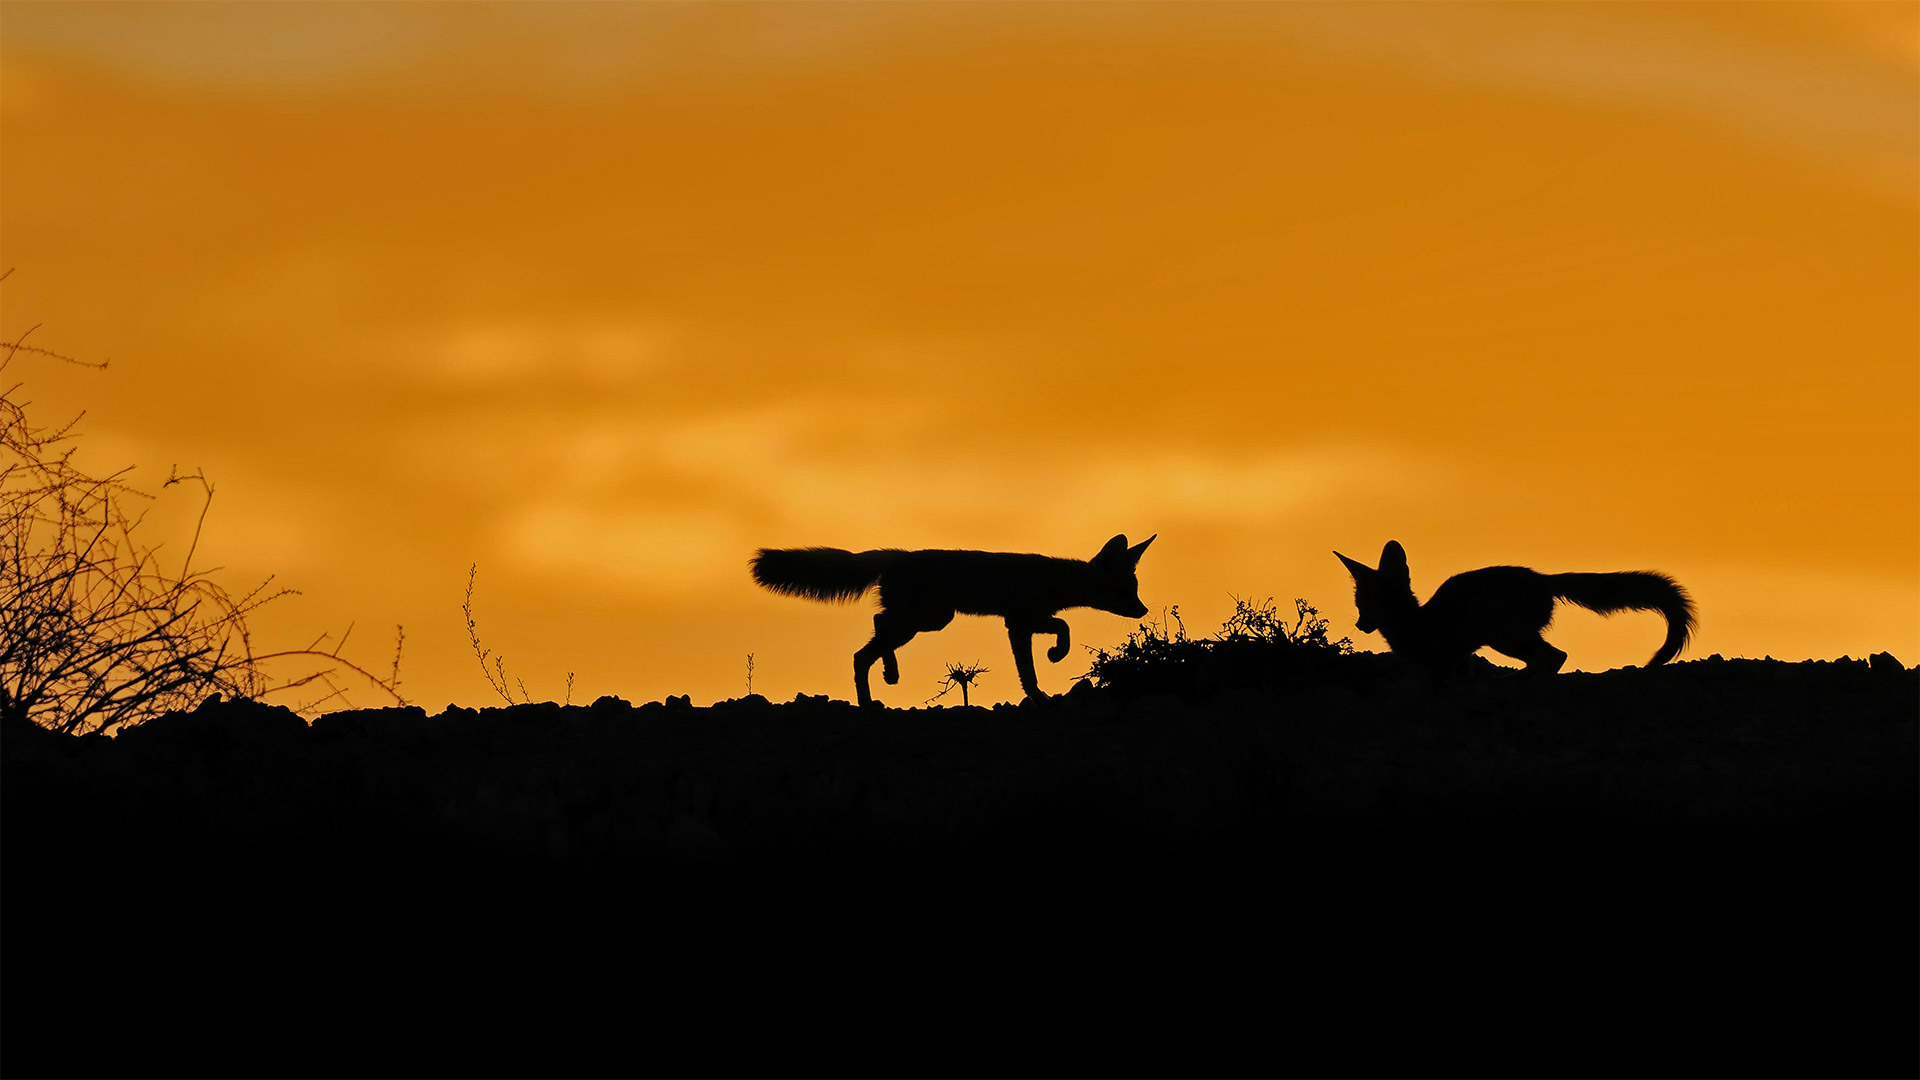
(94, 635)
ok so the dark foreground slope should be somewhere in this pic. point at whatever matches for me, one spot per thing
(1711, 868)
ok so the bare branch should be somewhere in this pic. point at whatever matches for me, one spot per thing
(174, 477)
(499, 684)
(393, 680)
(94, 635)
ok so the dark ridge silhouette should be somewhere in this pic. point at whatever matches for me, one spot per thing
(1504, 608)
(921, 591)
(1707, 865)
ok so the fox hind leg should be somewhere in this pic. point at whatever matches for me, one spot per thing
(892, 629)
(890, 632)
(1540, 657)
(921, 622)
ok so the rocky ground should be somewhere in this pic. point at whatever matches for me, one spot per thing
(1707, 868)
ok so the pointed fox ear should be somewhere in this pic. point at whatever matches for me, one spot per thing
(1393, 558)
(1357, 569)
(1116, 548)
(1139, 549)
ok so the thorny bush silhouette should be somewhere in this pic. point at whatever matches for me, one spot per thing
(1253, 646)
(95, 633)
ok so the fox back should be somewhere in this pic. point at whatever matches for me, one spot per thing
(1005, 583)
(963, 581)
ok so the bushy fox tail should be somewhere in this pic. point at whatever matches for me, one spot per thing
(819, 573)
(1633, 590)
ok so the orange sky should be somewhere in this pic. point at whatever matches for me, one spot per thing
(605, 296)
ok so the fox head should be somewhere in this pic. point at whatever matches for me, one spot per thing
(1116, 585)
(1382, 593)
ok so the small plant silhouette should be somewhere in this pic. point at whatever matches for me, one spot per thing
(399, 643)
(962, 676)
(749, 674)
(496, 675)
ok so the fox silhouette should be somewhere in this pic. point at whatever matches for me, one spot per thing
(1504, 608)
(921, 591)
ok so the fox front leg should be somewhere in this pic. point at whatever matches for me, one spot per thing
(1056, 626)
(1020, 635)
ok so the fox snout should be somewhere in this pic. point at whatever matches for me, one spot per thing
(1139, 613)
